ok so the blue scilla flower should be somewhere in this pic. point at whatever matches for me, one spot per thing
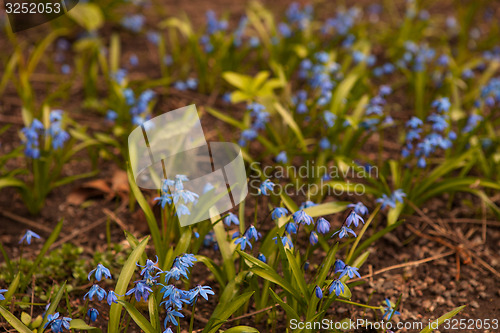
(28, 236)
(175, 297)
(398, 195)
(324, 143)
(421, 162)
(414, 122)
(338, 266)
(133, 60)
(181, 210)
(349, 271)
(252, 233)
(153, 37)
(133, 23)
(353, 218)
(359, 208)
(111, 115)
(57, 325)
(281, 157)
(318, 292)
(322, 226)
(386, 201)
(140, 290)
(279, 212)
(442, 104)
(119, 76)
(231, 218)
(285, 240)
(243, 242)
(172, 316)
(344, 232)
(389, 310)
(31, 139)
(472, 123)
(301, 217)
(337, 286)
(262, 258)
(307, 204)
(329, 118)
(313, 238)
(92, 314)
(266, 186)
(164, 199)
(413, 134)
(2, 297)
(284, 30)
(291, 228)
(95, 290)
(439, 122)
(112, 297)
(99, 271)
(203, 291)
(175, 273)
(149, 270)
(214, 25)
(66, 69)
(247, 135)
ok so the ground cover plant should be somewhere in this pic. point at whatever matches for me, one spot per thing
(370, 135)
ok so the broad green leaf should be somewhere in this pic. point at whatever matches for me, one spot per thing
(291, 313)
(327, 208)
(229, 308)
(240, 81)
(297, 273)
(78, 324)
(122, 284)
(441, 319)
(13, 321)
(53, 305)
(88, 15)
(137, 317)
(241, 329)
(288, 119)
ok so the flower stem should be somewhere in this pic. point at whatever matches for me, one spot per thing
(191, 322)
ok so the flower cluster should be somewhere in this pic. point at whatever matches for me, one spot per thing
(133, 23)
(213, 26)
(397, 196)
(137, 107)
(34, 133)
(416, 55)
(295, 19)
(98, 292)
(260, 118)
(173, 191)
(440, 135)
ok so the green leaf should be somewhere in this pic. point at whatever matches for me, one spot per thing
(137, 317)
(13, 321)
(53, 305)
(25, 318)
(88, 15)
(441, 319)
(291, 313)
(225, 118)
(122, 284)
(241, 329)
(288, 119)
(298, 274)
(222, 315)
(154, 315)
(78, 324)
(240, 81)
(327, 208)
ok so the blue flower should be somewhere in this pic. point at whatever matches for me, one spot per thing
(442, 104)
(133, 60)
(204, 291)
(318, 292)
(338, 266)
(349, 271)
(149, 270)
(285, 240)
(279, 212)
(111, 115)
(182, 210)
(243, 241)
(28, 236)
(313, 238)
(291, 227)
(302, 217)
(99, 271)
(231, 218)
(324, 143)
(2, 297)
(164, 199)
(359, 208)
(57, 325)
(171, 317)
(344, 232)
(282, 158)
(336, 286)
(141, 289)
(322, 226)
(414, 122)
(95, 290)
(267, 185)
(262, 258)
(92, 313)
(252, 233)
(354, 218)
(398, 195)
(133, 23)
(112, 297)
(307, 204)
(389, 310)
(386, 201)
